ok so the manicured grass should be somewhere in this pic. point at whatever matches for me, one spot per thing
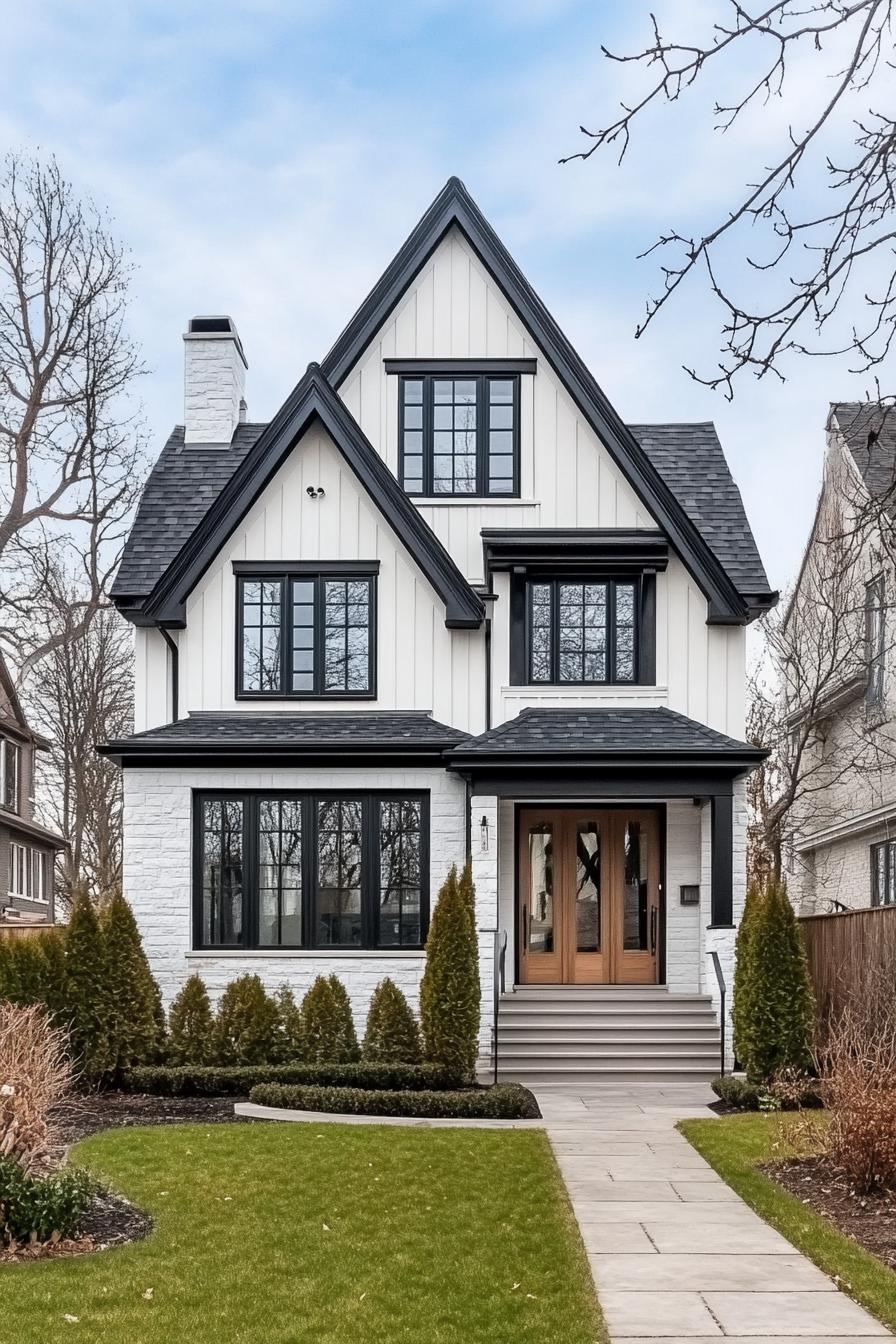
(733, 1146)
(334, 1234)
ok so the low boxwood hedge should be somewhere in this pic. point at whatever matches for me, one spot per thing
(506, 1101)
(737, 1092)
(237, 1080)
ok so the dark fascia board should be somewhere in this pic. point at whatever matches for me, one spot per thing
(32, 829)
(328, 567)
(569, 762)
(644, 548)
(454, 207)
(641, 782)
(460, 366)
(312, 398)
(245, 755)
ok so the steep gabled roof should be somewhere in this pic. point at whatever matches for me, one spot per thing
(455, 207)
(869, 429)
(312, 399)
(12, 715)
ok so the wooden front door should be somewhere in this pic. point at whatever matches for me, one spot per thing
(588, 896)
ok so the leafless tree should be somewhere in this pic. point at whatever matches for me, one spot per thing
(70, 448)
(81, 693)
(819, 278)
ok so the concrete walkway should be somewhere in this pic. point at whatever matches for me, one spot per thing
(675, 1253)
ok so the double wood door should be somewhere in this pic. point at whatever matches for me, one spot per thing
(588, 896)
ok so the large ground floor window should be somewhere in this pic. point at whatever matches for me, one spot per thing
(315, 870)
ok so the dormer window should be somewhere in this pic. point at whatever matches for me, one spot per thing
(459, 434)
(10, 755)
(306, 632)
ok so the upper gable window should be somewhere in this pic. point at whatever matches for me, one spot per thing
(459, 435)
(876, 640)
(305, 635)
(10, 756)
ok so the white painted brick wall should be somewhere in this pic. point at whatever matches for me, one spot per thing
(214, 385)
(157, 879)
(839, 871)
(682, 921)
(485, 880)
(722, 940)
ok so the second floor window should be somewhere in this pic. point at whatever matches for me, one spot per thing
(306, 635)
(876, 637)
(10, 756)
(883, 873)
(459, 435)
(581, 633)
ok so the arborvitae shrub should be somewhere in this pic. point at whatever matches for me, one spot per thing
(743, 967)
(53, 973)
(328, 1031)
(191, 1027)
(449, 991)
(467, 889)
(23, 974)
(86, 991)
(392, 1034)
(346, 1040)
(776, 1012)
(290, 1037)
(133, 996)
(246, 1025)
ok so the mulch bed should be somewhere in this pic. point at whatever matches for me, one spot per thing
(869, 1220)
(112, 1220)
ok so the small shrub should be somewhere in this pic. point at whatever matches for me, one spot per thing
(86, 994)
(328, 1029)
(35, 1075)
(449, 991)
(392, 1033)
(41, 1208)
(737, 1092)
(787, 1092)
(133, 998)
(506, 1101)
(246, 1025)
(238, 1080)
(191, 1027)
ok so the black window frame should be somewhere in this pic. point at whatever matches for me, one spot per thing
(888, 895)
(11, 751)
(482, 380)
(875, 641)
(370, 874)
(354, 571)
(643, 635)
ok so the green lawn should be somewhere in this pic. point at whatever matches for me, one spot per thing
(733, 1146)
(337, 1234)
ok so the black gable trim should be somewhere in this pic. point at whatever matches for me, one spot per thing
(455, 207)
(312, 398)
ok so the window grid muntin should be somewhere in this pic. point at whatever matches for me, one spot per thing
(545, 616)
(883, 873)
(370, 804)
(303, 651)
(416, 441)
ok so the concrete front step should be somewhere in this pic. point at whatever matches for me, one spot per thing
(594, 1076)
(512, 1048)
(573, 1021)
(601, 993)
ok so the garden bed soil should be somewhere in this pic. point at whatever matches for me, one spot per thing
(110, 1221)
(869, 1220)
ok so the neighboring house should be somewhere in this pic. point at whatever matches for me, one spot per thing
(444, 603)
(842, 851)
(27, 849)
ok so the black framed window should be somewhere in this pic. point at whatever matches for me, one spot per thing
(315, 870)
(302, 635)
(10, 759)
(876, 639)
(582, 631)
(883, 873)
(459, 435)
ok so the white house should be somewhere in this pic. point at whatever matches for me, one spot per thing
(445, 604)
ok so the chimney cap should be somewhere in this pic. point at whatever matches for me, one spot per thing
(215, 326)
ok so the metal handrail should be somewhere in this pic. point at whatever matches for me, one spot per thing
(499, 937)
(717, 966)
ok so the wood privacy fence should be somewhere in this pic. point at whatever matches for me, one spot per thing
(10, 931)
(846, 949)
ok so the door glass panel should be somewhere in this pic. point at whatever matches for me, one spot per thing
(587, 886)
(541, 888)
(634, 891)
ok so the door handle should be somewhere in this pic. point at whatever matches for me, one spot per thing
(653, 915)
(526, 929)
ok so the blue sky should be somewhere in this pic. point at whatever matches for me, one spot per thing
(266, 160)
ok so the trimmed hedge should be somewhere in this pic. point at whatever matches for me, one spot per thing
(205, 1080)
(506, 1101)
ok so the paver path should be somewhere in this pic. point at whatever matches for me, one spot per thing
(675, 1253)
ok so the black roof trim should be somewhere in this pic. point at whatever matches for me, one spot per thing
(312, 397)
(456, 366)
(454, 206)
(607, 548)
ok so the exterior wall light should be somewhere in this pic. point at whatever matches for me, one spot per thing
(483, 835)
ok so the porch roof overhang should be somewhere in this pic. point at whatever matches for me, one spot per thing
(604, 753)
(598, 550)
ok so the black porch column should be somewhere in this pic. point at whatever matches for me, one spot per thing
(722, 859)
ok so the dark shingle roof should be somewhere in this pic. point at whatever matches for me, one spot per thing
(651, 733)
(691, 461)
(303, 732)
(185, 481)
(869, 429)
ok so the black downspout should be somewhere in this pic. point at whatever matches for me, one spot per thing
(174, 670)
(468, 821)
(488, 673)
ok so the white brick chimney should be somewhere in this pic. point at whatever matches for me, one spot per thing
(214, 381)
